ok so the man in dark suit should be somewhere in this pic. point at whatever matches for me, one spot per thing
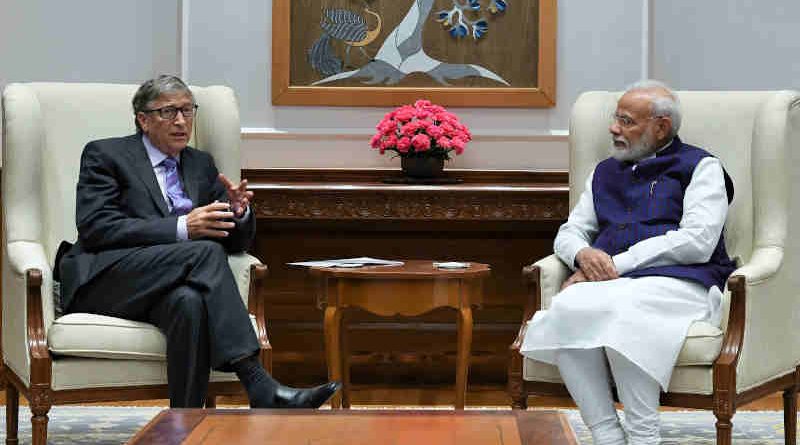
(155, 224)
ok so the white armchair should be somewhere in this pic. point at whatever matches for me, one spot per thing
(85, 357)
(756, 351)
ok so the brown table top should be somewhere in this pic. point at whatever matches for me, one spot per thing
(411, 269)
(360, 427)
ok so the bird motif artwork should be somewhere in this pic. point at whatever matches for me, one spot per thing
(401, 53)
(345, 26)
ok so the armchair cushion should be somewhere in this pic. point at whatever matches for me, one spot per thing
(702, 346)
(99, 336)
(71, 373)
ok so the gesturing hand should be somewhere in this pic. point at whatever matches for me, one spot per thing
(577, 277)
(238, 195)
(596, 265)
(209, 221)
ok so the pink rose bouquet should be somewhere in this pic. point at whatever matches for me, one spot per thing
(421, 130)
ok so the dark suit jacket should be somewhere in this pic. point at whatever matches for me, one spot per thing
(120, 207)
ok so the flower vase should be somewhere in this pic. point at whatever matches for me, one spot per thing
(422, 166)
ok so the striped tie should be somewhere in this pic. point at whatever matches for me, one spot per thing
(181, 204)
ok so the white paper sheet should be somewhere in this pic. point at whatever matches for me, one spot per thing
(348, 262)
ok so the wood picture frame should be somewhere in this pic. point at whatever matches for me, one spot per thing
(476, 91)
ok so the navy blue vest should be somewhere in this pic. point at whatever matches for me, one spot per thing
(633, 205)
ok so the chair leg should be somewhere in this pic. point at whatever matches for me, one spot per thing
(12, 413)
(211, 401)
(724, 428)
(39, 421)
(790, 415)
(515, 389)
(40, 403)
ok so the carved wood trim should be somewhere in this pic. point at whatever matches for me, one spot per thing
(293, 194)
(558, 178)
(347, 205)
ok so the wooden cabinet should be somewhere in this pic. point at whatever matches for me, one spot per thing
(506, 219)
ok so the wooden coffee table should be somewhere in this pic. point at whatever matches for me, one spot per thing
(402, 427)
(412, 289)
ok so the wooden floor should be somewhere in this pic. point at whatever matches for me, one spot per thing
(437, 396)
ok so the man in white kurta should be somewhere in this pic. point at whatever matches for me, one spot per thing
(607, 328)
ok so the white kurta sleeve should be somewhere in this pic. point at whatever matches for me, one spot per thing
(705, 207)
(580, 229)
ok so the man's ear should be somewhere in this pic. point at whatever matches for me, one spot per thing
(663, 127)
(142, 119)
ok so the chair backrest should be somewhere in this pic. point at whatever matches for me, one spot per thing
(747, 130)
(46, 128)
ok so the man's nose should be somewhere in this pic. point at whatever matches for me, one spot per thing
(179, 119)
(615, 129)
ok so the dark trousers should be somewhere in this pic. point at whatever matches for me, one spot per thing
(188, 290)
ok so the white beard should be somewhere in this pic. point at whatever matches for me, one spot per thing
(632, 153)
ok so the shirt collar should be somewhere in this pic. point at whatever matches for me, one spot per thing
(657, 151)
(156, 156)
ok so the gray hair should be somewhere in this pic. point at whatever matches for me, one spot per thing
(669, 105)
(152, 89)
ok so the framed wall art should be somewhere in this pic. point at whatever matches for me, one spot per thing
(471, 53)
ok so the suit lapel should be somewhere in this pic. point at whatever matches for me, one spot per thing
(144, 170)
(189, 169)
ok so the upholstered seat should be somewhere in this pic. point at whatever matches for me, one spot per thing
(754, 352)
(98, 336)
(85, 357)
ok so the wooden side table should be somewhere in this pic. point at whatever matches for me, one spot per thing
(412, 289)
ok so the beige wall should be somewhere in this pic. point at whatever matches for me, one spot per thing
(601, 45)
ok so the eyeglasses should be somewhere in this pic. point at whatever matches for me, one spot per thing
(627, 122)
(170, 112)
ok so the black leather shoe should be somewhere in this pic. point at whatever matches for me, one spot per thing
(287, 397)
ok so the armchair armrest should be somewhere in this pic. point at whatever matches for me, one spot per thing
(241, 264)
(543, 280)
(553, 273)
(25, 255)
(26, 314)
(763, 264)
(760, 313)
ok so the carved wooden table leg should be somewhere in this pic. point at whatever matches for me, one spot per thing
(462, 360)
(416, 287)
(333, 324)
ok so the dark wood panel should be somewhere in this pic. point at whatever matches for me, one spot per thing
(504, 219)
